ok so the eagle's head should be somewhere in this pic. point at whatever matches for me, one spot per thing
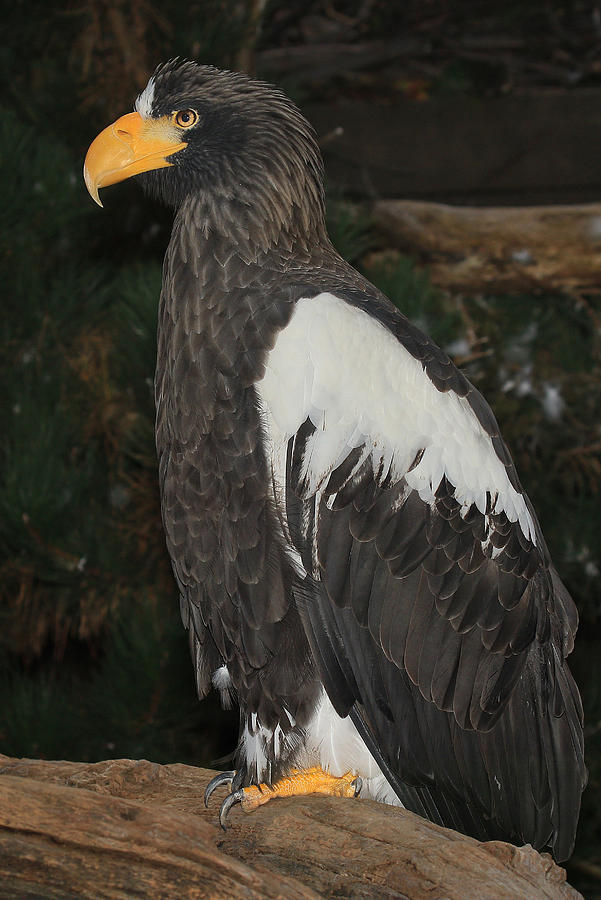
(220, 136)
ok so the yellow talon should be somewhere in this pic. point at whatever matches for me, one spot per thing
(300, 782)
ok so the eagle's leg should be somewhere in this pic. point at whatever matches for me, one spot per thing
(297, 783)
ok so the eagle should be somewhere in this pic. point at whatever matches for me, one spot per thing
(358, 564)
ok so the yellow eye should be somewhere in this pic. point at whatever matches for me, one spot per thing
(186, 118)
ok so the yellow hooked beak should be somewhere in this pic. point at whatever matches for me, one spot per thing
(127, 147)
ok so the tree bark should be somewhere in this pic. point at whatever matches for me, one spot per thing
(123, 828)
(498, 249)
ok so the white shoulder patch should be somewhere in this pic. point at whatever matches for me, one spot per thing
(335, 364)
(143, 104)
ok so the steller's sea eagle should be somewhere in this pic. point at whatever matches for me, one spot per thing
(358, 564)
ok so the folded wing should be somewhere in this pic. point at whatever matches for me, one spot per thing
(429, 599)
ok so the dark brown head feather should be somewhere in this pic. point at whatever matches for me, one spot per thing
(251, 164)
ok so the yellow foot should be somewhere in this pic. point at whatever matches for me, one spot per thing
(297, 783)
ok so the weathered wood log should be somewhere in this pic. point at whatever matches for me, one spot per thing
(123, 828)
(496, 249)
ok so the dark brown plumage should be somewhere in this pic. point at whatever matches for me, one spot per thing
(357, 561)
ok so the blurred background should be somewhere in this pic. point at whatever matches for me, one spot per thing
(476, 104)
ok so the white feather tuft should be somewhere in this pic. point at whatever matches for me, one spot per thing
(254, 746)
(143, 104)
(223, 684)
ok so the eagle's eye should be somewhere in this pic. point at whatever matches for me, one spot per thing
(186, 118)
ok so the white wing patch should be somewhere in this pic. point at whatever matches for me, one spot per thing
(143, 104)
(344, 370)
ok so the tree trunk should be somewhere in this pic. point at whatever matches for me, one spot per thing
(498, 249)
(123, 828)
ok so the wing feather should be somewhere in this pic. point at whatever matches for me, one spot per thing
(435, 615)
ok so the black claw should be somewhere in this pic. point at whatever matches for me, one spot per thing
(217, 781)
(358, 782)
(230, 800)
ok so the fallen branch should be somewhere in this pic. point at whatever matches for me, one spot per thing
(126, 828)
(496, 249)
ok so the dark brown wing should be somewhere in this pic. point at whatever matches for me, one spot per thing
(443, 631)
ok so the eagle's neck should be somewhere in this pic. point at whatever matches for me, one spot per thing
(231, 280)
(223, 301)
(257, 222)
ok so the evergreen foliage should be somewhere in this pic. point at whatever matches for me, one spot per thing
(136, 700)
